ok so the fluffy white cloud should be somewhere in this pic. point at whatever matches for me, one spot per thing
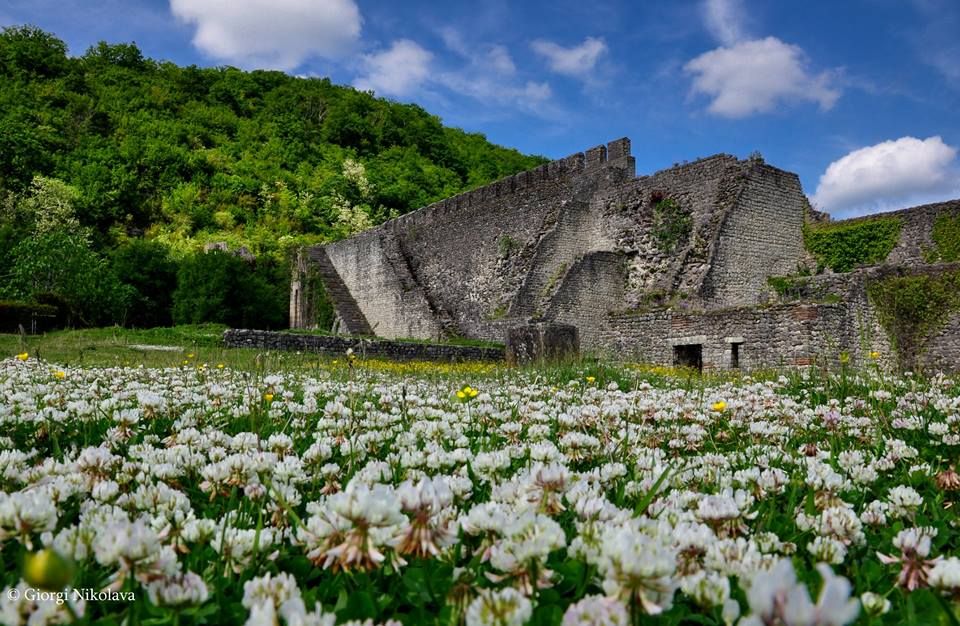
(888, 175)
(276, 34)
(724, 19)
(397, 71)
(489, 76)
(754, 76)
(577, 61)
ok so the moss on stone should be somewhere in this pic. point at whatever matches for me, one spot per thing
(912, 309)
(845, 246)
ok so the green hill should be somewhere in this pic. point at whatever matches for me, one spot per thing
(163, 159)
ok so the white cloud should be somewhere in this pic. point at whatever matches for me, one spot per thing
(276, 34)
(397, 71)
(724, 19)
(489, 76)
(755, 76)
(889, 175)
(577, 61)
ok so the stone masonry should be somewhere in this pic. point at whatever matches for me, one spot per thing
(671, 267)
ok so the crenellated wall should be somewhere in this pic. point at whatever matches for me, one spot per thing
(582, 241)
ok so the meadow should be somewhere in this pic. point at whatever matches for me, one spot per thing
(156, 478)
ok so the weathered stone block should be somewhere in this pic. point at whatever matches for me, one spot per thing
(542, 342)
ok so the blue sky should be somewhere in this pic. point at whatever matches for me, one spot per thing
(859, 97)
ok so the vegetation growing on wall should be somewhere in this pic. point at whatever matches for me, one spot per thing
(912, 309)
(845, 246)
(671, 224)
(946, 239)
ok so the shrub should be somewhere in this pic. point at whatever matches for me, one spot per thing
(147, 268)
(671, 224)
(14, 314)
(221, 288)
(62, 265)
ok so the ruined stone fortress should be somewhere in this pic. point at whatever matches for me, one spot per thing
(672, 268)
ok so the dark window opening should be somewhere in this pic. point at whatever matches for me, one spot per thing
(735, 355)
(690, 355)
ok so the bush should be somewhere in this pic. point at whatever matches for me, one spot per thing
(62, 265)
(221, 288)
(30, 315)
(146, 267)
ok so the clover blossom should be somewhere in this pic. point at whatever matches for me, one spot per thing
(596, 611)
(778, 598)
(637, 566)
(502, 607)
(431, 528)
(351, 529)
(914, 545)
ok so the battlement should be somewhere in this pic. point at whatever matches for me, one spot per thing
(614, 155)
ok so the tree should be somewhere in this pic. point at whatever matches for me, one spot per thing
(56, 261)
(219, 287)
(146, 267)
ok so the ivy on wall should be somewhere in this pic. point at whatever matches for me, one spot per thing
(912, 309)
(846, 245)
(946, 238)
(671, 224)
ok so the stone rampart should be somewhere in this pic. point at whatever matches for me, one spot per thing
(338, 345)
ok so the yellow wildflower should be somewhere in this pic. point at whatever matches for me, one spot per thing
(268, 396)
(874, 355)
(219, 366)
(23, 356)
(591, 379)
(60, 374)
(719, 406)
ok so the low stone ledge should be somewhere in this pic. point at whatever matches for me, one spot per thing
(542, 342)
(371, 347)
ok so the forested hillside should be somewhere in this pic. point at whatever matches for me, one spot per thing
(116, 169)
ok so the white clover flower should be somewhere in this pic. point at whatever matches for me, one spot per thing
(270, 589)
(186, 589)
(635, 564)
(528, 539)
(26, 513)
(351, 529)
(777, 598)
(708, 589)
(945, 576)
(874, 604)
(827, 550)
(431, 526)
(502, 607)
(904, 502)
(596, 611)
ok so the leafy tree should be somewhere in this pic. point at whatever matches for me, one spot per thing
(56, 261)
(60, 266)
(28, 52)
(187, 155)
(219, 287)
(146, 267)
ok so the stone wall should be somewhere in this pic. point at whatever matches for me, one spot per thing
(338, 345)
(460, 266)
(916, 229)
(762, 237)
(787, 334)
